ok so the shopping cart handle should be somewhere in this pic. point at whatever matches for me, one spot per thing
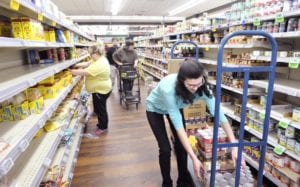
(184, 42)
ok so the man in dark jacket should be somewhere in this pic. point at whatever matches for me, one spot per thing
(113, 65)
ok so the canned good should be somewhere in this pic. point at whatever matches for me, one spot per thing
(297, 147)
(290, 132)
(282, 140)
(295, 166)
(290, 144)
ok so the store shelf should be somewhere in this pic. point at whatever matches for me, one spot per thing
(151, 73)
(266, 58)
(277, 113)
(251, 91)
(268, 175)
(289, 87)
(84, 44)
(40, 152)
(153, 58)
(63, 152)
(272, 141)
(20, 133)
(17, 79)
(27, 8)
(156, 67)
(228, 110)
(233, 46)
(68, 175)
(15, 42)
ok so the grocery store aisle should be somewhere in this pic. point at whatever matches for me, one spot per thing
(126, 156)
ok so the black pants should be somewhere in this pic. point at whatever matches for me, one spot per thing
(99, 102)
(157, 125)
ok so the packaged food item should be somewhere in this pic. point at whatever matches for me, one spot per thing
(290, 143)
(284, 179)
(21, 111)
(16, 24)
(290, 132)
(5, 29)
(19, 99)
(1, 114)
(8, 113)
(295, 165)
(296, 114)
(282, 140)
(49, 81)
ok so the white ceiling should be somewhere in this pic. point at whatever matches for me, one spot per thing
(132, 7)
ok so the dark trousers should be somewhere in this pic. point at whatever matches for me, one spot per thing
(157, 125)
(127, 85)
(99, 102)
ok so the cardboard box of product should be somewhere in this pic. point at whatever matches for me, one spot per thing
(16, 24)
(198, 109)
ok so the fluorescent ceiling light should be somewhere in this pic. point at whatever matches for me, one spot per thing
(185, 7)
(112, 18)
(115, 6)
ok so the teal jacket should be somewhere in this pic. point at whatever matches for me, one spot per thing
(163, 100)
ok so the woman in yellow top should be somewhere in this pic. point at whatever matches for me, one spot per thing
(98, 83)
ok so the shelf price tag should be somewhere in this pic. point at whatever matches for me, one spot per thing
(14, 5)
(53, 23)
(279, 18)
(40, 17)
(279, 150)
(256, 22)
(294, 63)
(206, 48)
(284, 124)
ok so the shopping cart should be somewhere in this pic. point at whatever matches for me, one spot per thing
(129, 85)
(246, 70)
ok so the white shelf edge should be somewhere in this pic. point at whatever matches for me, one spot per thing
(153, 58)
(278, 87)
(266, 174)
(273, 116)
(45, 154)
(272, 141)
(69, 169)
(14, 151)
(16, 42)
(151, 73)
(236, 90)
(156, 67)
(12, 87)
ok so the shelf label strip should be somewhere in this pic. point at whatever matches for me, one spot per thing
(15, 5)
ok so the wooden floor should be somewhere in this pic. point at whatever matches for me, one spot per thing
(126, 156)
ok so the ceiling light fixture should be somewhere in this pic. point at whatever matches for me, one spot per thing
(112, 18)
(184, 7)
(115, 6)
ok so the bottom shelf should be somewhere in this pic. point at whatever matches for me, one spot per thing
(68, 175)
(268, 175)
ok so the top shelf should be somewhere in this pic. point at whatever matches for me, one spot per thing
(17, 79)
(27, 8)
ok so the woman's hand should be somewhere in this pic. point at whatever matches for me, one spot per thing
(197, 169)
(234, 156)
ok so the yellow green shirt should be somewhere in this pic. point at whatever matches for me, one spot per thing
(98, 80)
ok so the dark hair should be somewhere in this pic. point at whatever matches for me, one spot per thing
(191, 69)
(129, 43)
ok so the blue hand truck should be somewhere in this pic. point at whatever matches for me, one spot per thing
(246, 70)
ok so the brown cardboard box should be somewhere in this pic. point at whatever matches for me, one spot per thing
(198, 109)
(173, 65)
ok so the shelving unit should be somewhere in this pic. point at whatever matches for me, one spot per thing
(72, 159)
(39, 152)
(17, 79)
(20, 133)
(29, 9)
(19, 43)
(289, 87)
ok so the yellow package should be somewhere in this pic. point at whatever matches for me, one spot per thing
(67, 34)
(1, 114)
(49, 92)
(36, 106)
(46, 36)
(5, 29)
(39, 133)
(21, 111)
(51, 34)
(28, 28)
(8, 113)
(52, 126)
(17, 30)
(49, 80)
